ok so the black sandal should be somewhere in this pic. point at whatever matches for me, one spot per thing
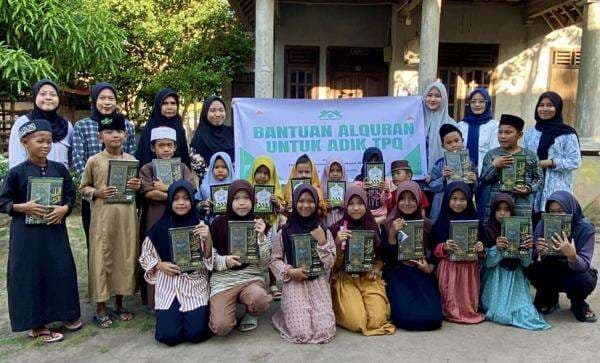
(118, 314)
(103, 321)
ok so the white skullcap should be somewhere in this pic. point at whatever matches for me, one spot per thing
(163, 133)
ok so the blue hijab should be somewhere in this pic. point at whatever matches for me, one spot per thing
(159, 233)
(474, 121)
(209, 178)
(581, 228)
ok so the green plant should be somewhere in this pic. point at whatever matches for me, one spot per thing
(61, 39)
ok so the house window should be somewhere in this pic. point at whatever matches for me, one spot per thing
(302, 72)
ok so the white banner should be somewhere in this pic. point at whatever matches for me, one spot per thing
(284, 129)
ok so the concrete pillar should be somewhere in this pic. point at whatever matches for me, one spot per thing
(263, 57)
(588, 107)
(430, 41)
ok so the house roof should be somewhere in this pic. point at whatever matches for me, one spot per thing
(556, 13)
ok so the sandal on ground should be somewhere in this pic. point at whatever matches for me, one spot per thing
(103, 321)
(275, 292)
(546, 310)
(583, 313)
(122, 314)
(46, 336)
(249, 322)
(74, 325)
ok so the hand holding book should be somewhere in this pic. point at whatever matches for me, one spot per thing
(31, 207)
(57, 214)
(562, 244)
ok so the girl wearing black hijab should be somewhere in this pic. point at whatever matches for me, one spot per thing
(164, 113)
(557, 147)
(46, 101)
(181, 298)
(212, 136)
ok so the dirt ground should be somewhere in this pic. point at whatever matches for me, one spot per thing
(568, 340)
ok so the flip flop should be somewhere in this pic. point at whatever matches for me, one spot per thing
(103, 319)
(74, 327)
(47, 336)
(249, 322)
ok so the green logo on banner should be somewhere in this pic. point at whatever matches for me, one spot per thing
(414, 159)
(330, 115)
(245, 163)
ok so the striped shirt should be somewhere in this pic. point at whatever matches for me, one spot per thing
(191, 290)
(224, 279)
(86, 144)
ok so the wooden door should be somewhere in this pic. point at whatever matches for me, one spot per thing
(344, 85)
(564, 74)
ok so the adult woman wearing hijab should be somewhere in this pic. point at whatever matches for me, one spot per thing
(212, 136)
(46, 101)
(557, 147)
(479, 127)
(411, 285)
(571, 271)
(164, 113)
(435, 111)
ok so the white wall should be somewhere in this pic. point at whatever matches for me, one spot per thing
(327, 26)
(524, 50)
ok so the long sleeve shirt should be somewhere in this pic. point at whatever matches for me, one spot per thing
(60, 151)
(488, 138)
(585, 251)
(86, 143)
(191, 290)
(566, 154)
(490, 178)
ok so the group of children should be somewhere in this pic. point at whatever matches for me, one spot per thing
(190, 306)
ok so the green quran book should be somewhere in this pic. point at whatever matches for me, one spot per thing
(464, 234)
(359, 255)
(119, 172)
(460, 164)
(375, 174)
(514, 175)
(167, 170)
(218, 197)
(296, 182)
(305, 255)
(262, 198)
(410, 241)
(243, 241)
(49, 192)
(186, 251)
(336, 192)
(516, 230)
(555, 223)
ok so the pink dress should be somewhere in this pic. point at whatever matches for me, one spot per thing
(459, 288)
(306, 314)
(385, 197)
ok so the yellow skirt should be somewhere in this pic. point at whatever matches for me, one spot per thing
(361, 305)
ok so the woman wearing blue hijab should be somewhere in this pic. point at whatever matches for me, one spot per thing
(479, 127)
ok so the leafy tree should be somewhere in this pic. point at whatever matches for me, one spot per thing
(194, 46)
(61, 39)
